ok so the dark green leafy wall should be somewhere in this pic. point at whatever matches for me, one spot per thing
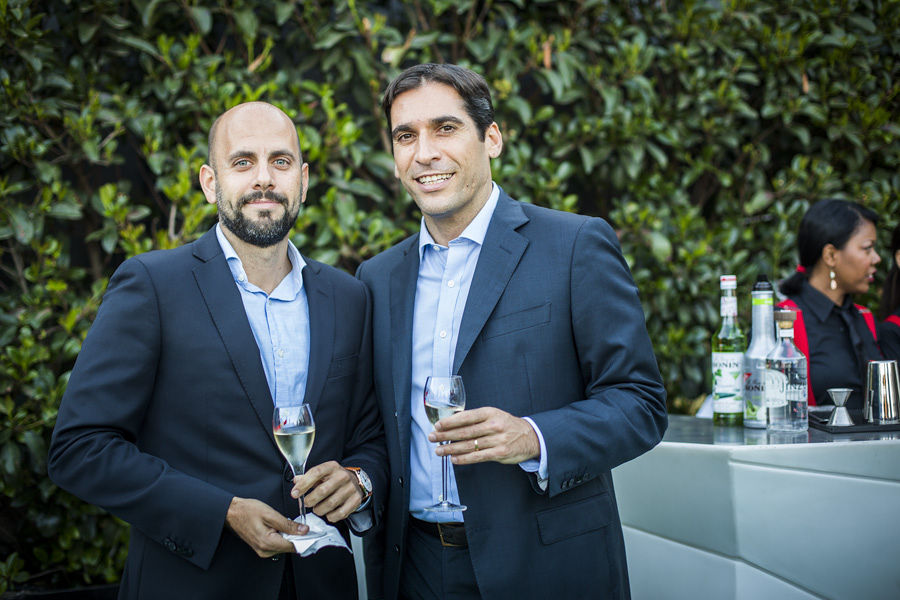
(701, 130)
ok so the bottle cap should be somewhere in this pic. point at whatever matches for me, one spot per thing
(728, 282)
(785, 318)
(762, 283)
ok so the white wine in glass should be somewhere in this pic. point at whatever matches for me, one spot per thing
(444, 396)
(295, 432)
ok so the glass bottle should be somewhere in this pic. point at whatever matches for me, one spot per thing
(762, 340)
(786, 392)
(728, 345)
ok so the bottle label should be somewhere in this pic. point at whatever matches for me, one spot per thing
(728, 306)
(754, 397)
(727, 368)
(776, 388)
(763, 301)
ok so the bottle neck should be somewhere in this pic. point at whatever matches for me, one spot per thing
(786, 332)
(728, 304)
(763, 316)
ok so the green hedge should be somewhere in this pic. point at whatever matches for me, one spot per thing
(701, 130)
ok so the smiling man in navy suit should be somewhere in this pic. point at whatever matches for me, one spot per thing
(167, 418)
(537, 311)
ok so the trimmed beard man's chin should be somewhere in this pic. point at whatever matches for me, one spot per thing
(259, 235)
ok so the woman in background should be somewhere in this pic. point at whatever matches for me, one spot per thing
(889, 331)
(836, 243)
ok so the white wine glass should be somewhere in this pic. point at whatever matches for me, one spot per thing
(444, 396)
(295, 432)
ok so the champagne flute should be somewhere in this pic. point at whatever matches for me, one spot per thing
(295, 432)
(444, 396)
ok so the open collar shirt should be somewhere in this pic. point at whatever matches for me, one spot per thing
(280, 324)
(442, 288)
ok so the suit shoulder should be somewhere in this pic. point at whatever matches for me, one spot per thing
(392, 254)
(161, 261)
(552, 218)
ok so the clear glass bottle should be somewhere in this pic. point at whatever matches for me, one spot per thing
(762, 340)
(728, 345)
(786, 391)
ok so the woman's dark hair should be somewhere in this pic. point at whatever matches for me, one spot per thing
(826, 222)
(890, 296)
(470, 86)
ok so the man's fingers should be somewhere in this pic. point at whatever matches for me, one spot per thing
(463, 418)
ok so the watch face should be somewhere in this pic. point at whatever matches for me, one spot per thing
(365, 481)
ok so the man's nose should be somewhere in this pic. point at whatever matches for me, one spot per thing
(264, 178)
(427, 150)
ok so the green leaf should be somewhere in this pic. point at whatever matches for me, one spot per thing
(66, 210)
(247, 22)
(203, 18)
(283, 12)
(139, 44)
(22, 224)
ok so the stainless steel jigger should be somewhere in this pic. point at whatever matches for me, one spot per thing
(840, 416)
(882, 401)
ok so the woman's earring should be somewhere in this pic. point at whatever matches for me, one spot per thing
(833, 283)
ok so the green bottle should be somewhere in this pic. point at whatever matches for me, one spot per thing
(728, 346)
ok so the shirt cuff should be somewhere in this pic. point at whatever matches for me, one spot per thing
(533, 465)
(362, 519)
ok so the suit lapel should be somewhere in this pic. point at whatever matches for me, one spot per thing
(402, 298)
(223, 301)
(502, 249)
(321, 331)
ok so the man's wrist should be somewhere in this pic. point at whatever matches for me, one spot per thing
(364, 485)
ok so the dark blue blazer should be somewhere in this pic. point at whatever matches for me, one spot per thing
(552, 329)
(168, 415)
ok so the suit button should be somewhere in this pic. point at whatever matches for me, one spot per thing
(170, 545)
(400, 481)
(288, 476)
(396, 548)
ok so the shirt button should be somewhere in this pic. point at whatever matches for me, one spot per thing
(443, 334)
(450, 283)
(241, 278)
(281, 354)
(436, 248)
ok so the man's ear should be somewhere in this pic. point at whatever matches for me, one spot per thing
(208, 183)
(493, 139)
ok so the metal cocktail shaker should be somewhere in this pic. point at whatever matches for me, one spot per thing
(882, 400)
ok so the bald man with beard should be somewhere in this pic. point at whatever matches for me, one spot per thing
(167, 418)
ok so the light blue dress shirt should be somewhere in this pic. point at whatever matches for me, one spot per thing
(280, 324)
(445, 276)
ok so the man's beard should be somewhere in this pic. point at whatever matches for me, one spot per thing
(262, 233)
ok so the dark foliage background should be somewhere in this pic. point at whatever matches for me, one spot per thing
(702, 130)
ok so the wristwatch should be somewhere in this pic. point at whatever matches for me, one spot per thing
(365, 484)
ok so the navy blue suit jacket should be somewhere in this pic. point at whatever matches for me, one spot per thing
(168, 415)
(552, 329)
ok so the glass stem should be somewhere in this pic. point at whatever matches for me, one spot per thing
(302, 496)
(445, 476)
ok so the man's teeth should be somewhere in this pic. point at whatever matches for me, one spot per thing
(434, 178)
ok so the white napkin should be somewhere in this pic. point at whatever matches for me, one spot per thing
(306, 547)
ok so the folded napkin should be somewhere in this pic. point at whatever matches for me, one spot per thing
(306, 546)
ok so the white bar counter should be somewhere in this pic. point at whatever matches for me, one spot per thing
(729, 513)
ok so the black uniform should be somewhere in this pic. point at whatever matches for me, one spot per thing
(840, 345)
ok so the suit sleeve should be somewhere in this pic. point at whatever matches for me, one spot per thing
(93, 453)
(365, 444)
(623, 413)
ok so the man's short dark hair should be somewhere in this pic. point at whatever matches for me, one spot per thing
(470, 86)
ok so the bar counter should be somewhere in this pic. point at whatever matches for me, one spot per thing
(734, 513)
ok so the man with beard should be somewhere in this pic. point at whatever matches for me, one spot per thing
(167, 418)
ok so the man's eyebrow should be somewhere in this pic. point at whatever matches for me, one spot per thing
(435, 122)
(285, 152)
(241, 154)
